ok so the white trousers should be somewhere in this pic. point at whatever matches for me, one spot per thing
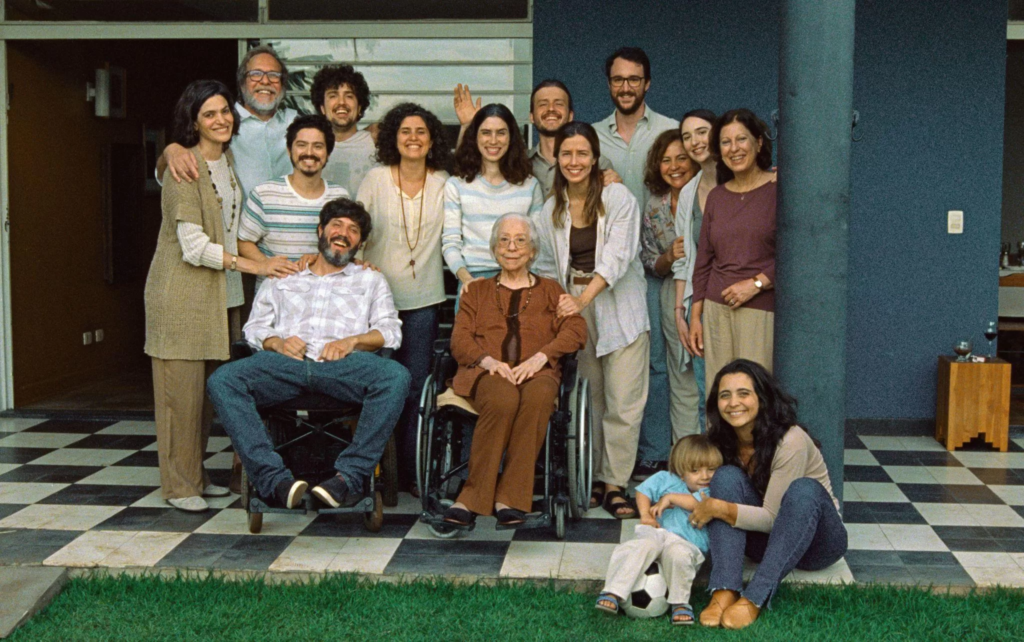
(679, 561)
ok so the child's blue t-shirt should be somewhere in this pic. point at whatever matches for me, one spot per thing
(675, 520)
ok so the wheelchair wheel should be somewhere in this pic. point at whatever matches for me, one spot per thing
(424, 424)
(389, 473)
(255, 520)
(374, 519)
(443, 532)
(560, 511)
(580, 455)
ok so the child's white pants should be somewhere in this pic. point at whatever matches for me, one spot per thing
(679, 560)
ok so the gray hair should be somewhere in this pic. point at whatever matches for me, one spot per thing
(514, 216)
(252, 53)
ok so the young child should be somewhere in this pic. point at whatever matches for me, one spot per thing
(664, 533)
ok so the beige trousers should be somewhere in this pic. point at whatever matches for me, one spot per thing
(682, 385)
(678, 559)
(736, 334)
(618, 392)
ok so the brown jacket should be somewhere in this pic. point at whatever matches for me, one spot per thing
(481, 330)
(186, 305)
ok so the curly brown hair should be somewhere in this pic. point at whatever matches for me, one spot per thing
(439, 157)
(514, 165)
(652, 169)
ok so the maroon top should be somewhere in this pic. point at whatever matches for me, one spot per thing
(737, 242)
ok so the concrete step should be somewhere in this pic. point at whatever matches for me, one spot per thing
(26, 590)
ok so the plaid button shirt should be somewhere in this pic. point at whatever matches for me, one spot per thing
(322, 309)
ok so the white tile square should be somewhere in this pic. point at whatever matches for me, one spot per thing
(364, 555)
(867, 537)
(1012, 495)
(585, 561)
(6, 468)
(850, 493)
(532, 559)
(879, 492)
(984, 560)
(60, 517)
(217, 444)
(125, 476)
(220, 461)
(407, 505)
(144, 549)
(156, 500)
(859, 458)
(913, 537)
(117, 549)
(1010, 576)
(151, 448)
(17, 424)
(929, 444)
(838, 573)
(1018, 558)
(232, 521)
(882, 443)
(1018, 441)
(27, 492)
(40, 440)
(946, 514)
(990, 459)
(995, 515)
(309, 554)
(910, 474)
(89, 549)
(139, 428)
(953, 475)
(83, 457)
(484, 532)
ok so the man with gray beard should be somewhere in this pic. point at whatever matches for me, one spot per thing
(259, 146)
(316, 332)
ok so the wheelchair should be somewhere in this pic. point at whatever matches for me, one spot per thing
(309, 432)
(446, 421)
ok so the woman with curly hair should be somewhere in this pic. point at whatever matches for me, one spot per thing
(405, 198)
(772, 500)
(492, 177)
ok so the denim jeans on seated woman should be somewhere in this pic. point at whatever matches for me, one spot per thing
(808, 534)
(419, 330)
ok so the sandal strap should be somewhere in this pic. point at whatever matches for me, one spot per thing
(683, 609)
(608, 597)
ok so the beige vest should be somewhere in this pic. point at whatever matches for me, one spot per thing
(186, 306)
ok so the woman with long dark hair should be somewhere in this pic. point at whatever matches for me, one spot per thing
(193, 291)
(772, 500)
(492, 177)
(405, 198)
(733, 314)
(590, 241)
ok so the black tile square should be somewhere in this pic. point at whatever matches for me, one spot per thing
(896, 513)
(254, 552)
(881, 574)
(853, 442)
(865, 474)
(1005, 532)
(70, 426)
(219, 476)
(446, 557)
(1011, 545)
(930, 493)
(915, 458)
(351, 525)
(594, 531)
(115, 442)
(22, 455)
(49, 474)
(858, 513)
(973, 545)
(961, 532)
(940, 575)
(148, 458)
(21, 546)
(1019, 510)
(98, 495)
(872, 558)
(929, 558)
(998, 476)
(973, 494)
(207, 551)
(1013, 447)
(9, 509)
(137, 518)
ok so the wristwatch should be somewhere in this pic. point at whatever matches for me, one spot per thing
(234, 264)
(758, 283)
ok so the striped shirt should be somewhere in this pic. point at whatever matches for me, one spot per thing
(321, 309)
(470, 210)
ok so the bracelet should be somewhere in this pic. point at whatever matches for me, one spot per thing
(234, 264)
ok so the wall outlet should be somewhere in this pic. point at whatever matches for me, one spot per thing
(955, 221)
(99, 335)
(86, 338)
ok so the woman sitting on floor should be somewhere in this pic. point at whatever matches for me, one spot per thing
(772, 500)
(507, 341)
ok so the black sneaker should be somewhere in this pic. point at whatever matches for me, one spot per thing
(289, 492)
(646, 467)
(334, 492)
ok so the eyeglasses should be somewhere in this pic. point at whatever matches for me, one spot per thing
(632, 81)
(256, 75)
(507, 241)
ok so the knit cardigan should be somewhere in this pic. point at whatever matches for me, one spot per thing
(186, 305)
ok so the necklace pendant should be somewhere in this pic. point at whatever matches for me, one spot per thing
(412, 264)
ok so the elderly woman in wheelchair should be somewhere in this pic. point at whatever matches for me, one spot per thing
(507, 341)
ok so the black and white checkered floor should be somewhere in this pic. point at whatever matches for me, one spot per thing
(85, 494)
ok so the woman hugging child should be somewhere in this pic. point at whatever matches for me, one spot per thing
(664, 533)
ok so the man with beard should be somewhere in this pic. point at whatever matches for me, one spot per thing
(627, 135)
(260, 154)
(341, 94)
(280, 217)
(315, 332)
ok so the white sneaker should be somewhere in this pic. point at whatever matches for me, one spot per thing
(213, 490)
(194, 504)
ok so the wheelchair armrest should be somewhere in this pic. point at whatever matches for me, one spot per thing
(569, 366)
(241, 350)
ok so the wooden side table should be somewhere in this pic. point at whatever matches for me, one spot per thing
(974, 399)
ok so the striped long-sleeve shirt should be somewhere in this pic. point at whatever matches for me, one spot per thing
(470, 210)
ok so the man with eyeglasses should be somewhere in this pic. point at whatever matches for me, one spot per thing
(259, 146)
(629, 132)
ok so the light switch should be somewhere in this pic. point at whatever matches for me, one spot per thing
(955, 221)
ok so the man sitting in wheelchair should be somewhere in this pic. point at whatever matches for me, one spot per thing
(315, 332)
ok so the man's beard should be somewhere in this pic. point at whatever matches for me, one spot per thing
(335, 257)
(306, 172)
(249, 99)
(544, 131)
(637, 101)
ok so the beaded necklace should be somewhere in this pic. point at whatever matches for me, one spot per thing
(220, 199)
(419, 223)
(497, 297)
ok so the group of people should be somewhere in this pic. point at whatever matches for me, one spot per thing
(642, 243)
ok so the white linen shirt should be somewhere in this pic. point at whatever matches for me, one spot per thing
(259, 147)
(630, 160)
(682, 269)
(620, 310)
(322, 309)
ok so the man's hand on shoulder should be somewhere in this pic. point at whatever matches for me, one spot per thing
(292, 347)
(181, 163)
(336, 350)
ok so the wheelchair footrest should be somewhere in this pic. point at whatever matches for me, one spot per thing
(364, 505)
(437, 521)
(533, 520)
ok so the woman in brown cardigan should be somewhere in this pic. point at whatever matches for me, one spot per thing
(507, 340)
(188, 295)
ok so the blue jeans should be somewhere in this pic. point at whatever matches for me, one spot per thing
(697, 363)
(808, 534)
(656, 427)
(265, 379)
(419, 331)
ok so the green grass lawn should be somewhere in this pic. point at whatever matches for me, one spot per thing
(344, 608)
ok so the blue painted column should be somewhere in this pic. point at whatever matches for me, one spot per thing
(815, 114)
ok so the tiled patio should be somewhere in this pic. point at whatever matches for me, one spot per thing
(85, 494)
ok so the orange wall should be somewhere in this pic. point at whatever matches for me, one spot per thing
(55, 147)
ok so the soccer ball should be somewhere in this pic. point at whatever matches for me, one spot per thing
(649, 597)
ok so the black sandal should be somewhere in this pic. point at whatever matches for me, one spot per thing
(510, 517)
(613, 507)
(597, 496)
(459, 517)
